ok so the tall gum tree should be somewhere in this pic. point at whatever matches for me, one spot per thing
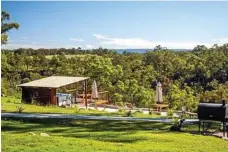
(6, 26)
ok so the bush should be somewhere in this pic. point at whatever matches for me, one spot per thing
(17, 95)
(121, 109)
(150, 111)
(35, 102)
(170, 113)
(82, 109)
(77, 108)
(137, 112)
(129, 114)
(63, 106)
(176, 121)
(20, 109)
(8, 101)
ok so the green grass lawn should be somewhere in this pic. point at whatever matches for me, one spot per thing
(102, 136)
(10, 104)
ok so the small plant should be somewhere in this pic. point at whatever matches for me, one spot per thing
(77, 108)
(121, 110)
(150, 111)
(34, 101)
(63, 106)
(129, 114)
(176, 125)
(178, 122)
(20, 109)
(170, 113)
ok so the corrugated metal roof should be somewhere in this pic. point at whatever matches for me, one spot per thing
(53, 82)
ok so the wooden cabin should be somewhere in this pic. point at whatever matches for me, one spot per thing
(44, 90)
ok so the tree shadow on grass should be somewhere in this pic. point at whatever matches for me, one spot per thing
(210, 128)
(105, 130)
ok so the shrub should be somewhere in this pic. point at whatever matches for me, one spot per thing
(35, 102)
(20, 109)
(137, 112)
(8, 101)
(150, 111)
(129, 114)
(63, 106)
(121, 110)
(170, 113)
(176, 125)
(77, 108)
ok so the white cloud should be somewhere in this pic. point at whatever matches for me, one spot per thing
(109, 42)
(35, 46)
(116, 43)
(89, 46)
(221, 40)
(23, 39)
(99, 36)
(75, 39)
(17, 45)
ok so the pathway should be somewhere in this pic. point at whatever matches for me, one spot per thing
(86, 117)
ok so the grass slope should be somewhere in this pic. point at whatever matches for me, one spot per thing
(10, 104)
(102, 136)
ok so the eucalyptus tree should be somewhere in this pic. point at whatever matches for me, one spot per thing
(6, 26)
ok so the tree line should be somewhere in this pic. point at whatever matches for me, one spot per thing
(187, 77)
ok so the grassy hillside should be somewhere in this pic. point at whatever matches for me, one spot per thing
(10, 104)
(100, 136)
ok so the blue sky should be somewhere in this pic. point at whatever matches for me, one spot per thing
(117, 24)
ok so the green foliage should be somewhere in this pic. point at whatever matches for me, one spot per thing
(20, 109)
(186, 77)
(170, 113)
(25, 80)
(6, 26)
(77, 108)
(145, 97)
(129, 113)
(117, 97)
(218, 92)
(179, 98)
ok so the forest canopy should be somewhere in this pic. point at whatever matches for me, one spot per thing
(187, 77)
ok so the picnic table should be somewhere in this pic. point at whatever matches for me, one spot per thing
(159, 107)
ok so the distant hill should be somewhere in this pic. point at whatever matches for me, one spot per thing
(144, 50)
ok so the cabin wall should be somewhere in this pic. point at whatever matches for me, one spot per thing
(53, 96)
(43, 96)
(26, 95)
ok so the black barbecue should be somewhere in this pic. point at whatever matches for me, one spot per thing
(213, 112)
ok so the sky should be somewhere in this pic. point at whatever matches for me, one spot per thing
(117, 25)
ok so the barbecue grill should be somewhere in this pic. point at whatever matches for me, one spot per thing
(213, 112)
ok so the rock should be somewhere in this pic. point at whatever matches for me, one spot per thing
(44, 134)
(32, 133)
